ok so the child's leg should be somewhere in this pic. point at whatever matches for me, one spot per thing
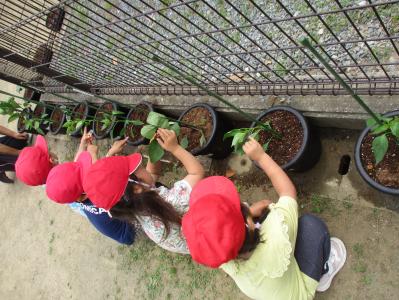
(312, 248)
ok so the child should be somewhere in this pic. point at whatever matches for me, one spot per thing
(34, 163)
(64, 186)
(221, 232)
(120, 185)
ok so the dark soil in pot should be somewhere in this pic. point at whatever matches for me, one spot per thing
(387, 171)
(57, 120)
(139, 112)
(299, 149)
(283, 150)
(201, 118)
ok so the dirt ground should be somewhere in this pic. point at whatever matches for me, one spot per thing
(50, 252)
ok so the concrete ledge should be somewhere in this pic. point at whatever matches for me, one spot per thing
(323, 111)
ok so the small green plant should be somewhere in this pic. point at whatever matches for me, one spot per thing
(156, 120)
(387, 127)
(240, 136)
(15, 110)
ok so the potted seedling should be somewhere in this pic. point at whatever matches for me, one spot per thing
(82, 115)
(58, 118)
(154, 121)
(135, 120)
(285, 135)
(377, 148)
(202, 131)
(108, 120)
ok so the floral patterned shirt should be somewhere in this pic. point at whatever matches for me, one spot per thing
(178, 196)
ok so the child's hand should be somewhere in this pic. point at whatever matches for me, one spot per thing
(117, 147)
(259, 207)
(86, 138)
(253, 149)
(167, 139)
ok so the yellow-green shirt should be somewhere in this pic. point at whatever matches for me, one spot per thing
(272, 271)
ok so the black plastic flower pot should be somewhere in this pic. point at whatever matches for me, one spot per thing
(309, 151)
(82, 111)
(57, 120)
(43, 112)
(203, 116)
(31, 94)
(140, 113)
(359, 165)
(117, 121)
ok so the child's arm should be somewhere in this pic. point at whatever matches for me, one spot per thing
(281, 182)
(15, 135)
(93, 150)
(117, 147)
(84, 141)
(154, 169)
(168, 141)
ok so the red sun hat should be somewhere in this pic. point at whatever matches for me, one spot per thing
(64, 182)
(214, 227)
(107, 179)
(33, 163)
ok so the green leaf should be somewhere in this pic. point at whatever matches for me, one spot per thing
(380, 148)
(122, 133)
(371, 122)
(79, 124)
(2, 112)
(266, 145)
(234, 132)
(134, 122)
(117, 112)
(175, 127)
(202, 140)
(255, 135)
(148, 131)
(157, 120)
(39, 130)
(394, 126)
(184, 142)
(36, 125)
(380, 129)
(155, 151)
(13, 117)
(238, 138)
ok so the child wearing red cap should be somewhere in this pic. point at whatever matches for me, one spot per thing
(34, 163)
(280, 258)
(64, 186)
(120, 185)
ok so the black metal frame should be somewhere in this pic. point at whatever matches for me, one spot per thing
(106, 48)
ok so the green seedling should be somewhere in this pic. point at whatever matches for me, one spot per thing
(156, 120)
(241, 135)
(381, 127)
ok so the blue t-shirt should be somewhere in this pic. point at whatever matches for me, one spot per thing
(120, 231)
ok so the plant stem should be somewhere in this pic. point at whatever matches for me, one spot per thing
(306, 43)
(210, 93)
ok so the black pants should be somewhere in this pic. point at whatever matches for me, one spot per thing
(7, 161)
(312, 248)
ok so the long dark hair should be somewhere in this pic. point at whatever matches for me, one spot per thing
(252, 237)
(148, 203)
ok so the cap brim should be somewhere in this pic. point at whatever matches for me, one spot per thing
(215, 185)
(85, 162)
(134, 162)
(41, 143)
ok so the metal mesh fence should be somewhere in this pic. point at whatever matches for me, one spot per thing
(232, 47)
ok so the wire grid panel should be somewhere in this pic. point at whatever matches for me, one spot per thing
(232, 47)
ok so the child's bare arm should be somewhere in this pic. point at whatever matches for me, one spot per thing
(168, 141)
(280, 180)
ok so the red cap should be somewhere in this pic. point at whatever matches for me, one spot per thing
(107, 179)
(33, 163)
(214, 226)
(64, 182)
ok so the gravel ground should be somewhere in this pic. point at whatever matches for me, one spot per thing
(120, 54)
